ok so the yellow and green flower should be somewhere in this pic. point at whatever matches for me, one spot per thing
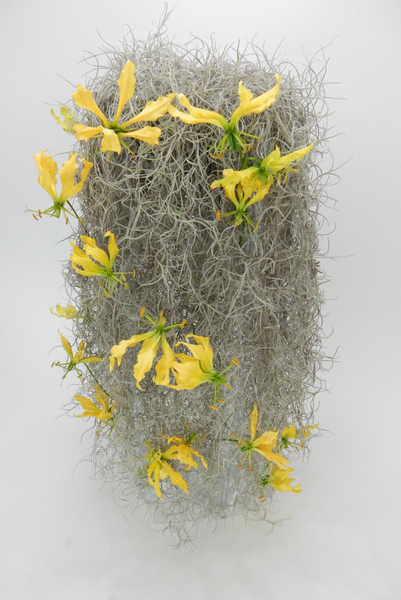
(185, 451)
(112, 132)
(75, 359)
(243, 195)
(48, 170)
(291, 432)
(272, 168)
(160, 468)
(88, 268)
(191, 371)
(151, 340)
(248, 105)
(104, 412)
(279, 479)
(264, 445)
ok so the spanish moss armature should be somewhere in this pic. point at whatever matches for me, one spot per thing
(193, 194)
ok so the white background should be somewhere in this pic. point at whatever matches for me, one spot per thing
(64, 537)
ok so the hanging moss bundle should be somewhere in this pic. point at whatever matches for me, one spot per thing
(193, 277)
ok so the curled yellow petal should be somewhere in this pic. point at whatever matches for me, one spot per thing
(279, 478)
(253, 423)
(201, 351)
(175, 477)
(67, 177)
(66, 345)
(117, 352)
(110, 141)
(153, 110)
(112, 247)
(92, 249)
(188, 373)
(232, 177)
(48, 170)
(146, 357)
(197, 115)
(290, 431)
(126, 83)
(68, 123)
(154, 469)
(250, 105)
(275, 162)
(89, 268)
(163, 364)
(82, 132)
(150, 135)
(68, 312)
(91, 410)
(84, 99)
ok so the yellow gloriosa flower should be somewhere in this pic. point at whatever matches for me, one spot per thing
(77, 358)
(48, 170)
(264, 444)
(147, 354)
(291, 432)
(194, 370)
(274, 166)
(68, 312)
(112, 132)
(87, 267)
(243, 195)
(185, 451)
(279, 479)
(104, 413)
(159, 468)
(248, 105)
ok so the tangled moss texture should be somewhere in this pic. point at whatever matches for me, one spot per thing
(257, 298)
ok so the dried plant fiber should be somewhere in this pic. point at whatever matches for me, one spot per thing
(257, 299)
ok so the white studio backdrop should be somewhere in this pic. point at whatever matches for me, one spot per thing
(62, 534)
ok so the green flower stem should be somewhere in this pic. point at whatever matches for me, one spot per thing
(101, 387)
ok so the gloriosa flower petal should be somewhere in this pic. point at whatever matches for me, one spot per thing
(104, 413)
(48, 170)
(112, 247)
(250, 105)
(253, 422)
(117, 352)
(69, 121)
(274, 162)
(160, 469)
(126, 84)
(84, 99)
(83, 132)
(66, 345)
(197, 115)
(110, 141)
(146, 357)
(67, 177)
(163, 366)
(150, 135)
(68, 312)
(279, 478)
(153, 110)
